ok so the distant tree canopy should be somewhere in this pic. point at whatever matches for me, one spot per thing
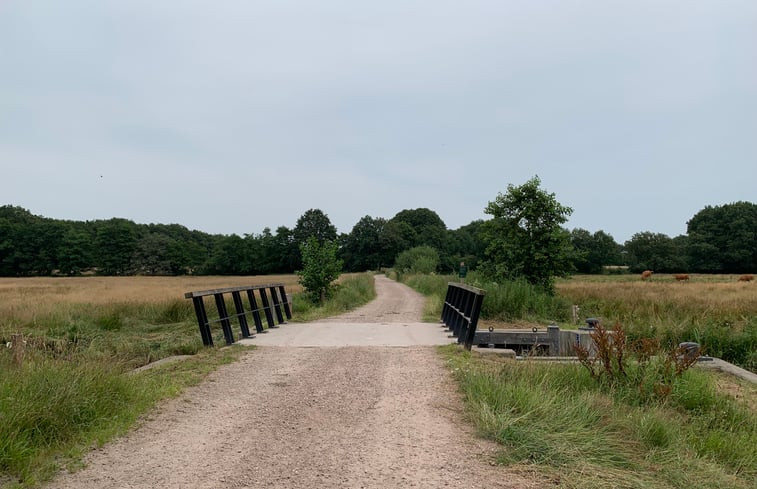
(524, 237)
(724, 238)
(654, 251)
(594, 251)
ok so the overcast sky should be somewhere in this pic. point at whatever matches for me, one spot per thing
(232, 116)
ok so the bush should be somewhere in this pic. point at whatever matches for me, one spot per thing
(421, 259)
(320, 268)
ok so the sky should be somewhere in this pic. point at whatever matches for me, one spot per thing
(232, 116)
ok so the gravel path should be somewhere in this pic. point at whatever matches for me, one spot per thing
(293, 417)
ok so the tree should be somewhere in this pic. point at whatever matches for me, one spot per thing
(428, 228)
(724, 238)
(593, 251)
(116, 241)
(524, 238)
(75, 252)
(320, 267)
(420, 259)
(230, 257)
(362, 249)
(654, 251)
(463, 245)
(314, 223)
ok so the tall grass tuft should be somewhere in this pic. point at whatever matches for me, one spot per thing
(715, 311)
(349, 293)
(506, 301)
(584, 434)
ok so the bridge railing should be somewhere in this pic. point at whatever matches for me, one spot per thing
(273, 309)
(460, 312)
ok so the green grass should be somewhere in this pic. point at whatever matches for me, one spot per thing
(53, 410)
(506, 301)
(74, 388)
(349, 294)
(577, 433)
(716, 311)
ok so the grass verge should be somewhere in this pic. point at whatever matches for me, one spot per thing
(351, 292)
(52, 411)
(507, 301)
(556, 420)
(74, 389)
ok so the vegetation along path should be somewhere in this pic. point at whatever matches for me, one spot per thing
(304, 417)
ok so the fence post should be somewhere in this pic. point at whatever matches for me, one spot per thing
(255, 310)
(239, 307)
(267, 309)
(202, 320)
(276, 304)
(224, 317)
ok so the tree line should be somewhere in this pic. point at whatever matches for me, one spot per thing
(524, 237)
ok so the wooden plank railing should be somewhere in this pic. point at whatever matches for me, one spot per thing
(278, 305)
(460, 312)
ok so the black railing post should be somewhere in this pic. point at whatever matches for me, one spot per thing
(475, 312)
(461, 310)
(255, 310)
(267, 309)
(287, 305)
(202, 320)
(276, 304)
(224, 317)
(239, 307)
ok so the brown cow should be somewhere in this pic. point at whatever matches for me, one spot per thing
(746, 278)
(681, 277)
(646, 274)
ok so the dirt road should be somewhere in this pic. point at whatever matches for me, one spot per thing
(295, 417)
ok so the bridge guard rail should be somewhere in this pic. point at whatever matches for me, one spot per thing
(460, 312)
(278, 297)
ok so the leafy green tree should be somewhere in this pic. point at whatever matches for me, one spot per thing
(157, 254)
(420, 259)
(320, 267)
(724, 238)
(463, 245)
(396, 236)
(654, 251)
(76, 252)
(428, 228)
(524, 238)
(314, 223)
(593, 251)
(115, 241)
(362, 249)
(230, 257)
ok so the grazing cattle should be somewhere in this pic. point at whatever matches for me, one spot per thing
(646, 274)
(746, 278)
(681, 277)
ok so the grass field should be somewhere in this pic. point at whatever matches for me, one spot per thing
(82, 338)
(555, 422)
(716, 311)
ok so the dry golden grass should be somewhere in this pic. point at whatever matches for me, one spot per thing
(704, 293)
(24, 299)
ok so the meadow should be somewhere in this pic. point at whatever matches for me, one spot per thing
(84, 338)
(646, 428)
(716, 311)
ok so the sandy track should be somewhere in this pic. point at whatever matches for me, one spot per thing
(285, 417)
